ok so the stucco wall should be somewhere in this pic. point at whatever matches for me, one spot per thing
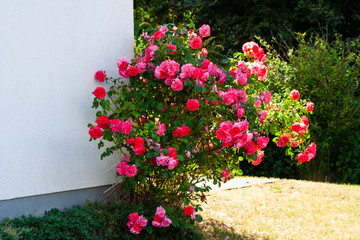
(49, 52)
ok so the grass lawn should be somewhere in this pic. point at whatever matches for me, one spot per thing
(287, 209)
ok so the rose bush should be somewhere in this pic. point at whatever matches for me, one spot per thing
(181, 120)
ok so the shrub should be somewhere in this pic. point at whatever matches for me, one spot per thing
(94, 221)
(328, 74)
(181, 119)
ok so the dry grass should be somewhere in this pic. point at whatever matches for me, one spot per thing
(287, 209)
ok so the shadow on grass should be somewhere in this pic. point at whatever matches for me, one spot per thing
(216, 230)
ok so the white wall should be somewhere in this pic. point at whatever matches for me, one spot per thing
(49, 53)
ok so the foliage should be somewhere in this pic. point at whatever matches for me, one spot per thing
(237, 21)
(94, 221)
(328, 74)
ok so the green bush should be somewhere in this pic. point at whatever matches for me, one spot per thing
(328, 74)
(94, 221)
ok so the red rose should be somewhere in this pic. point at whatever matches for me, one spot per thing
(188, 210)
(139, 142)
(158, 35)
(296, 127)
(103, 122)
(95, 132)
(131, 171)
(99, 92)
(133, 217)
(294, 95)
(310, 106)
(172, 152)
(192, 104)
(100, 76)
(132, 71)
(157, 218)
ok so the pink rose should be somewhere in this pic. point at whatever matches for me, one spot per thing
(126, 158)
(252, 49)
(160, 130)
(121, 168)
(172, 163)
(115, 125)
(192, 104)
(95, 132)
(294, 95)
(204, 30)
(131, 171)
(162, 160)
(267, 97)
(126, 127)
(196, 42)
(100, 76)
(257, 103)
(177, 85)
(99, 92)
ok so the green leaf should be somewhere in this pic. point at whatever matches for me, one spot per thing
(199, 218)
(186, 201)
(165, 175)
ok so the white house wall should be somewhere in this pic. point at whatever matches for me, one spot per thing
(49, 53)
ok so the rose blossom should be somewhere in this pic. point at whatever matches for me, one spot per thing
(177, 85)
(131, 171)
(257, 103)
(296, 127)
(294, 95)
(172, 163)
(121, 168)
(252, 49)
(162, 160)
(204, 52)
(196, 42)
(192, 105)
(188, 210)
(126, 127)
(259, 155)
(282, 141)
(310, 106)
(160, 130)
(103, 122)
(204, 30)
(95, 132)
(115, 125)
(136, 223)
(267, 97)
(158, 35)
(122, 64)
(160, 219)
(99, 92)
(100, 76)
(132, 71)
(126, 158)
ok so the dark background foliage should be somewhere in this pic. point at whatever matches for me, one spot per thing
(335, 22)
